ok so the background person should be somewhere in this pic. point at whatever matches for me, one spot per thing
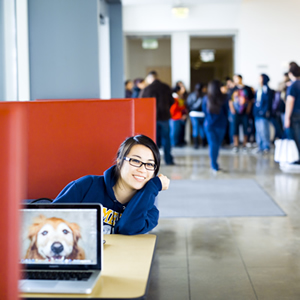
(292, 107)
(128, 88)
(240, 107)
(262, 111)
(215, 107)
(127, 190)
(138, 85)
(194, 105)
(178, 113)
(164, 101)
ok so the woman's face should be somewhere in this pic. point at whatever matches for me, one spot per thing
(133, 177)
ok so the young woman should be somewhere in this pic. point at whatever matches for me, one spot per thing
(215, 107)
(127, 190)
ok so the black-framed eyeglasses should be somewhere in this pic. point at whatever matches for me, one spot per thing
(137, 163)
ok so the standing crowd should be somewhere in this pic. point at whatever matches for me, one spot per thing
(218, 110)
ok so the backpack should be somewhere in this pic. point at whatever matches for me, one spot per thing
(278, 105)
(193, 103)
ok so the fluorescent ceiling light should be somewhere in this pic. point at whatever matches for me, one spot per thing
(180, 11)
(207, 55)
(150, 44)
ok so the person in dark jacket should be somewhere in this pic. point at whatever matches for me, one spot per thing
(215, 107)
(127, 190)
(164, 100)
(262, 111)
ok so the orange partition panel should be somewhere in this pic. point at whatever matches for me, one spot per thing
(12, 190)
(145, 117)
(144, 114)
(72, 138)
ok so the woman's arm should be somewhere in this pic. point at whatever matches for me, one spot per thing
(231, 107)
(140, 214)
(289, 105)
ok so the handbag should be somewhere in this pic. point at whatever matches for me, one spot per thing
(286, 151)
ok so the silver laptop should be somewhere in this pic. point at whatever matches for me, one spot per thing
(61, 248)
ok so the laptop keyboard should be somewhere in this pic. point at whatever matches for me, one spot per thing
(54, 275)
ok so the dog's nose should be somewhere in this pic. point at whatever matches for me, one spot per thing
(57, 247)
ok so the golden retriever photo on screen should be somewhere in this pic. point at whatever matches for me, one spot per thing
(54, 239)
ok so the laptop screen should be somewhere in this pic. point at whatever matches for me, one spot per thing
(60, 235)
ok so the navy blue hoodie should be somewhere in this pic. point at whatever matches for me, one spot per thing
(263, 105)
(139, 215)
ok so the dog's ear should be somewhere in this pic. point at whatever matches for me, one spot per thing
(35, 227)
(76, 231)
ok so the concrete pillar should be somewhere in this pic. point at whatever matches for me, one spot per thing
(180, 58)
(116, 49)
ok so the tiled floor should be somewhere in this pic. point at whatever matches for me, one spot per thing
(230, 258)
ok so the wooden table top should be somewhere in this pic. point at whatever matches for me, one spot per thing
(126, 266)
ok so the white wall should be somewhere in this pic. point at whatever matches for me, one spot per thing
(159, 18)
(266, 31)
(269, 38)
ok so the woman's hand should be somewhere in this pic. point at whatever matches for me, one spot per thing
(165, 181)
(287, 123)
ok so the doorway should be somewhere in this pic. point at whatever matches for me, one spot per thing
(211, 58)
(140, 60)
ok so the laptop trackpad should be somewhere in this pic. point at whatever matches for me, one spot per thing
(33, 285)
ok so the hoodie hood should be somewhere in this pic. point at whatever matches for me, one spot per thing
(110, 181)
(266, 79)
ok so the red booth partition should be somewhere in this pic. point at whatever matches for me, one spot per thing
(12, 191)
(144, 114)
(46, 144)
(72, 138)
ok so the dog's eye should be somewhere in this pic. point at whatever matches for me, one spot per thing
(44, 232)
(65, 231)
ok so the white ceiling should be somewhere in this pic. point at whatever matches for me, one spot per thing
(174, 2)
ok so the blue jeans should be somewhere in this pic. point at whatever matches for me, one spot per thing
(198, 127)
(163, 139)
(215, 138)
(177, 130)
(238, 120)
(262, 133)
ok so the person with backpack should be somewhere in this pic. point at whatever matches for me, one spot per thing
(278, 108)
(194, 105)
(262, 111)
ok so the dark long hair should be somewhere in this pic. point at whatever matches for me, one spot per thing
(215, 97)
(125, 148)
(199, 90)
